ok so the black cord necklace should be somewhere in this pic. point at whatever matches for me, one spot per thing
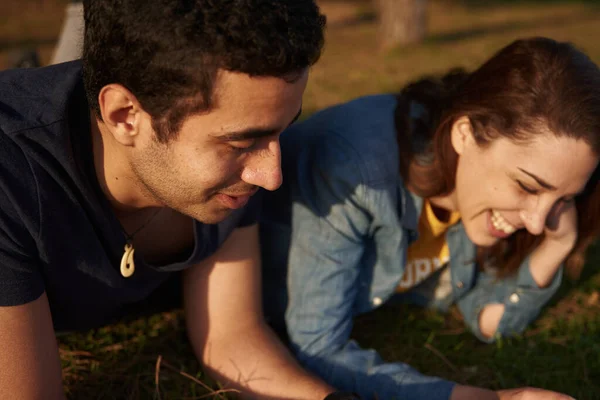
(127, 263)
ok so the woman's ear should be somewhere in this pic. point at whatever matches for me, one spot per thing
(461, 134)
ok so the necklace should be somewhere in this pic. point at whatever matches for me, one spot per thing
(127, 263)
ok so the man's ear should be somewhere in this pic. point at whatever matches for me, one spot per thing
(121, 113)
(461, 134)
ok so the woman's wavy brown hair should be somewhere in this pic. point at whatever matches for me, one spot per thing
(528, 86)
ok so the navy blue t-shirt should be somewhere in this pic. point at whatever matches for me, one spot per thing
(58, 233)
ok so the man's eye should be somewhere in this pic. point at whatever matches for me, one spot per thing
(526, 188)
(242, 145)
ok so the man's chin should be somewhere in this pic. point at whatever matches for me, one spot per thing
(211, 216)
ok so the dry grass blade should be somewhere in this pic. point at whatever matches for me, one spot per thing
(64, 353)
(441, 356)
(593, 299)
(120, 346)
(204, 385)
(157, 377)
(72, 376)
(451, 332)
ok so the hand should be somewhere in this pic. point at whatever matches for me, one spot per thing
(560, 236)
(561, 224)
(461, 392)
(531, 394)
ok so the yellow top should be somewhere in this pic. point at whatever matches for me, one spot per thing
(430, 252)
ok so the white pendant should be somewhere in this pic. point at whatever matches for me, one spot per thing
(127, 264)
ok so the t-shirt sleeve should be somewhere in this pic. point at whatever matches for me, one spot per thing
(21, 278)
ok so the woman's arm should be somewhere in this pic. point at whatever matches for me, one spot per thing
(332, 218)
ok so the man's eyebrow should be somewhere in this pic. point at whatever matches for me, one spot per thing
(254, 133)
(247, 134)
(539, 180)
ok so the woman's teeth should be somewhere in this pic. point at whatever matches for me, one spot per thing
(501, 224)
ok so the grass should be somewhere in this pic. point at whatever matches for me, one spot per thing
(150, 358)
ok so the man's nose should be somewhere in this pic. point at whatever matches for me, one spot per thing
(264, 169)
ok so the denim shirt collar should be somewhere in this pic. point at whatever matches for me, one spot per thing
(411, 207)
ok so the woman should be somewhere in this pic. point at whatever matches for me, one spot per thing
(472, 190)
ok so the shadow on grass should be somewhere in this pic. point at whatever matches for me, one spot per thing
(590, 14)
(120, 361)
(496, 3)
(562, 358)
(560, 352)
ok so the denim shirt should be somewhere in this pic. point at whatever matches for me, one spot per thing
(339, 229)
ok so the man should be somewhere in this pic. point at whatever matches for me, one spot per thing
(143, 162)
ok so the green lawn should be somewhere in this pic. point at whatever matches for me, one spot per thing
(150, 358)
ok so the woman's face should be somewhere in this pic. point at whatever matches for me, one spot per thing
(506, 186)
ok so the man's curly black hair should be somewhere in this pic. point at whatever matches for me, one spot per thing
(168, 52)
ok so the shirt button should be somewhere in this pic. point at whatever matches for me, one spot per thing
(459, 284)
(377, 301)
(514, 298)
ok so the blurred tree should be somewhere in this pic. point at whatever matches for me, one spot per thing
(401, 22)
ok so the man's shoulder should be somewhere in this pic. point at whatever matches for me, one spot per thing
(39, 108)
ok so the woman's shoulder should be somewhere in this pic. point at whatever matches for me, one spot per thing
(358, 115)
(356, 139)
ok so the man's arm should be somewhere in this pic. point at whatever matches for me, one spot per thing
(222, 298)
(30, 365)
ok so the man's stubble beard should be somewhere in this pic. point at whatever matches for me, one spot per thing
(156, 184)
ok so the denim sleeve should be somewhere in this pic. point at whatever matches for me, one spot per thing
(523, 300)
(330, 221)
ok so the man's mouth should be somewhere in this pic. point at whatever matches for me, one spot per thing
(235, 200)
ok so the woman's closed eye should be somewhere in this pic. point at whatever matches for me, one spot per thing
(527, 188)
